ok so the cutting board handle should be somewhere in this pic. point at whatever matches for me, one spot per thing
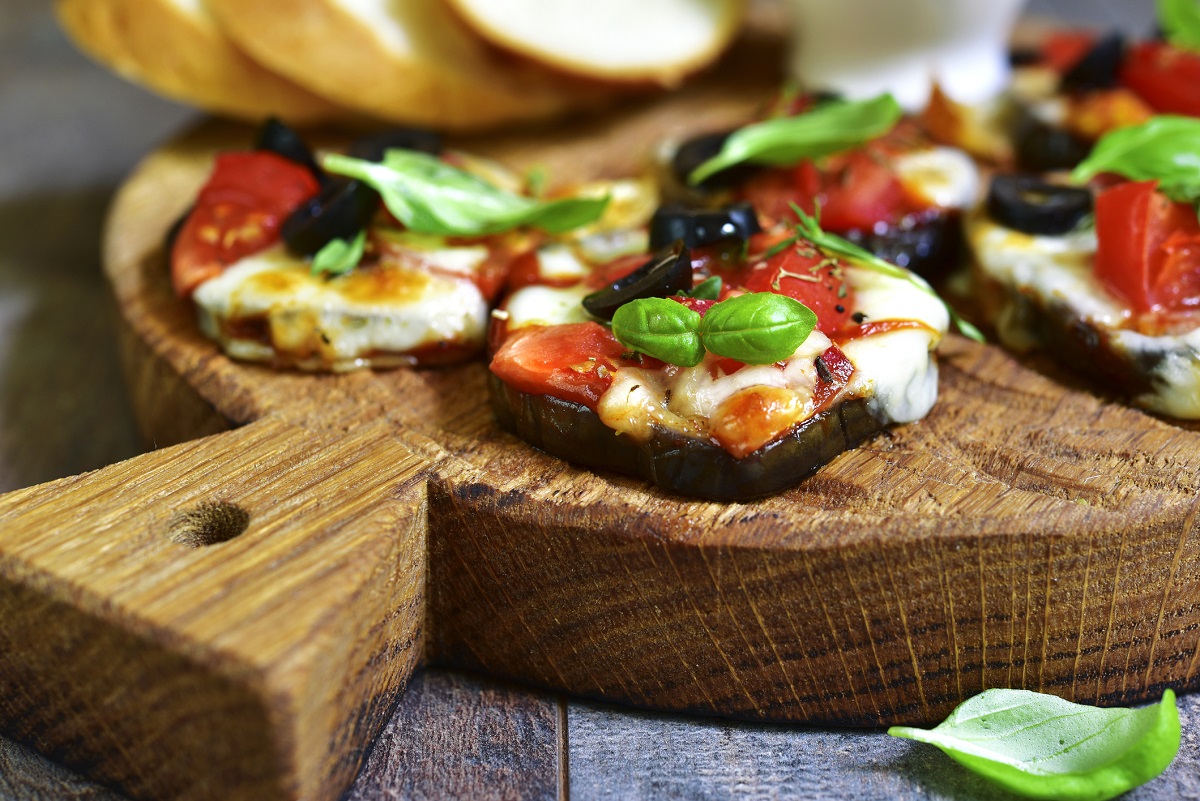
(231, 617)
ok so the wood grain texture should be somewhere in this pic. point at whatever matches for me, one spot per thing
(255, 668)
(458, 736)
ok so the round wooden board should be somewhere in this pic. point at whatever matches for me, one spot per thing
(1026, 534)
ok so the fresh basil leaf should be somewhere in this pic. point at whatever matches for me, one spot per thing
(757, 328)
(708, 289)
(1180, 20)
(1165, 148)
(338, 256)
(1041, 746)
(429, 196)
(810, 228)
(827, 129)
(661, 328)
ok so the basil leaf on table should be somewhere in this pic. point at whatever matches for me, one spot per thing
(1165, 148)
(661, 328)
(829, 128)
(338, 256)
(1180, 20)
(757, 328)
(432, 197)
(1041, 746)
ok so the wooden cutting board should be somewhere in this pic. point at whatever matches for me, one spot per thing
(232, 617)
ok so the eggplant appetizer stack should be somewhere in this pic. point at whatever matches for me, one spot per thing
(728, 365)
(757, 339)
(869, 174)
(390, 254)
(1103, 267)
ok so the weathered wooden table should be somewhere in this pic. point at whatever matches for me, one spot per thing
(68, 134)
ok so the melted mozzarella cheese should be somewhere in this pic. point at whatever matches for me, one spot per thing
(900, 375)
(943, 176)
(883, 297)
(558, 262)
(544, 305)
(429, 250)
(895, 367)
(686, 399)
(621, 230)
(1057, 270)
(339, 323)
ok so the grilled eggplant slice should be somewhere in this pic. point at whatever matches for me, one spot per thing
(678, 463)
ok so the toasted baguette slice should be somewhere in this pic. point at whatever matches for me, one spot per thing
(174, 47)
(616, 40)
(408, 61)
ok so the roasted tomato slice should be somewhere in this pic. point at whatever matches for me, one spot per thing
(574, 362)
(855, 190)
(1063, 50)
(1148, 251)
(1166, 77)
(237, 213)
(808, 275)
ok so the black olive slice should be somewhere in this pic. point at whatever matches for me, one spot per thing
(340, 211)
(1027, 203)
(1024, 56)
(372, 148)
(697, 150)
(668, 273)
(1042, 147)
(678, 463)
(1098, 68)
(932, 248)
(697, 227)
(277, 137)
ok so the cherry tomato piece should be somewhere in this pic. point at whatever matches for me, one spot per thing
(1148, 251)
(855, 191)
(804, 273)
(1064, 49)
(1166, 77)
(238, 212)
(574, 362)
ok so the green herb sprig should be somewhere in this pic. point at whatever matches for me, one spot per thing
(1165, 148)
(429, 196)
(829, 128)
(1180, 21)
(338, 256)
(809, 227)
(755, 328)
(1041, 746)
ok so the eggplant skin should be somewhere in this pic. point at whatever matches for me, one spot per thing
(1077, 343)
(931, 248)
(681, 464)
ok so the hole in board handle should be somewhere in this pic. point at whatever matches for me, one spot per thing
(209, 523)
